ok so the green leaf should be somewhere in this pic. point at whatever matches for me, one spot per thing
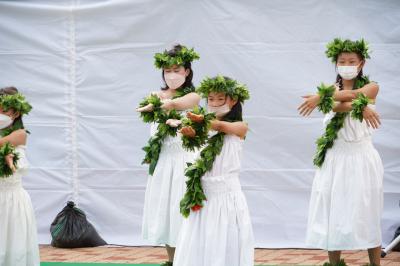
(358, 106)
(184, 55)
(326, 98)
(226, 85)
(6, 149)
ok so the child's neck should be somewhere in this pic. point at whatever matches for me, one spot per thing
(348, 84)
(169, 93)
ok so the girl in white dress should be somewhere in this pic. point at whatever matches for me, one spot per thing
(18, 237)
(166, 182)
(218, 231)
(347, 194)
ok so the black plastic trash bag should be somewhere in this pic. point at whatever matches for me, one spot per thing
(396, 234)
(71, 229)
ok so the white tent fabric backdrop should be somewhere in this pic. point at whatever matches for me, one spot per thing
(84, 66)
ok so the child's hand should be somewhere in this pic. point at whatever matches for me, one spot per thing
(10, 162)
(309, 104)
(173, 122)
(195, 118)
(147, 108)
(371, 117)
(188, 132)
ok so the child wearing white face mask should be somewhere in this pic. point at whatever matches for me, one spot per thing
(218, 229)
(347, 198)
(18, 240)
(164, 153)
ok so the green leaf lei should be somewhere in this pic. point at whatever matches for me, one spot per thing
(338, 46)
(326, 141)
(154, 144)
(184, 55)
(194, 196)
(6, 149)
(201, 130)
(17, 102)
(150, 117)
(228, 86)
(358, 105)
(326, 98)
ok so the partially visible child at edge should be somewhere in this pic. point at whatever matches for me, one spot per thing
(18, 241)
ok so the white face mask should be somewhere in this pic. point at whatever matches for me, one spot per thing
(5, 121)
(174, 80)
(219, 111)
(348, 72)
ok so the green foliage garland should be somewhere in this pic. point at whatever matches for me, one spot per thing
(326, 141)
(228, 86)
(17, 102)
(158, 115)
(153, 116)
(326, 98)
(183, 91)
(6, 149)
(184, 55)
(358, 105)
(194, 196)
(201, 129)
(338, 46)
(154, 145)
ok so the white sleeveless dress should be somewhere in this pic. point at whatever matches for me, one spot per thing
(18, 235)
(347, 193)
(165, 189)
(220, 234)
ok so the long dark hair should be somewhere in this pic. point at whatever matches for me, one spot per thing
(12, 91)
(187, 65)
(235, 114)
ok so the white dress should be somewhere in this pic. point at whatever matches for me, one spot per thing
(220, 234)
(165, 189)
(18, 236)
(347, 194)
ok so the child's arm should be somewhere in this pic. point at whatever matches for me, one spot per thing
(16, 138)
(311, 101)
(188, 101)
(370, 90)
(370, 115)
(342, 107)
(233, 128)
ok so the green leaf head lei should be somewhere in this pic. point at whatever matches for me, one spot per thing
(11, 99)
(180, 55)
(338, 46)
(230, 87)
